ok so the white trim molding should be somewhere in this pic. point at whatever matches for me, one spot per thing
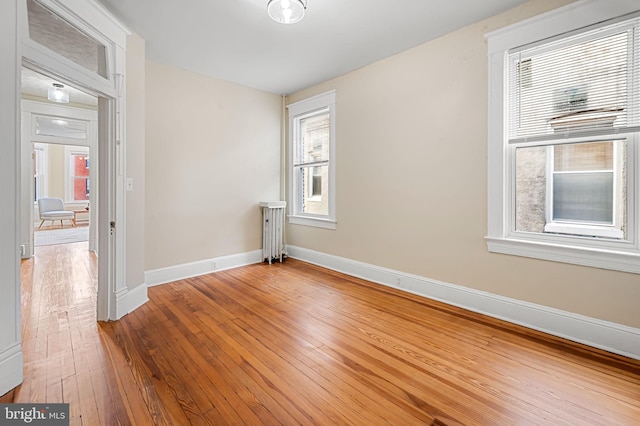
(129, 300)
(11, 368)
(609, 336)
(202, 267)
(317, 222)
(605, 259)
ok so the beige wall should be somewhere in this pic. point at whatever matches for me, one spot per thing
(212, 153)
(135, 145)
(412, 179)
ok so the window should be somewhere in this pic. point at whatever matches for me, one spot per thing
(312, 167)
(564, 123)
(55, 33)
(77, 186)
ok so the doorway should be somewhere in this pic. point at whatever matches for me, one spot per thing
(59, 161)
(55, 53)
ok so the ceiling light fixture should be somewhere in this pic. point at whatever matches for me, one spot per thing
(286, 11)
(58, 94)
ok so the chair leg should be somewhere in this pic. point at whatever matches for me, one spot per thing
(41, 224)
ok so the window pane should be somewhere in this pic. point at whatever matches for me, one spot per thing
(62, 128)
(583, 197)
(80, 174)
(53, 32)
(314, 190)
(531, 188)
(81, 189)
(316, 187)
(583, 156)
(314, 138)
(587, 187)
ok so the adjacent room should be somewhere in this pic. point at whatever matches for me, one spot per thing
(63, 136)
(321, 212)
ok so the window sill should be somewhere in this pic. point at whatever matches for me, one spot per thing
(585, 230)
(312, 221)
(617, 260)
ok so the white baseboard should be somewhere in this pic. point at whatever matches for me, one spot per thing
(131, 300)
(193, 269)
(10, 368)
(612, 337)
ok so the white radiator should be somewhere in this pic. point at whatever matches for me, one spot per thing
(273, 230)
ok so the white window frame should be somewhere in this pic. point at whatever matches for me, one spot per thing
(297, 111)
(501, 235)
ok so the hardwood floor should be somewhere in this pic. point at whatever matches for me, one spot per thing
(296, 344)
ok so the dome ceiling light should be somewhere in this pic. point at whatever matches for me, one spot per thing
(286, 11)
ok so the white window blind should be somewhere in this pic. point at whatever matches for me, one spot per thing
(582, 85)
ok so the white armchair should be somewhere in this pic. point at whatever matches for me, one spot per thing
(53, 209)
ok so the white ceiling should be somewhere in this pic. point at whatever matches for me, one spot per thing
(35, 85)
(235, 40)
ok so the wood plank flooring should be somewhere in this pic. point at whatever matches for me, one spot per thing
(296, 344)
